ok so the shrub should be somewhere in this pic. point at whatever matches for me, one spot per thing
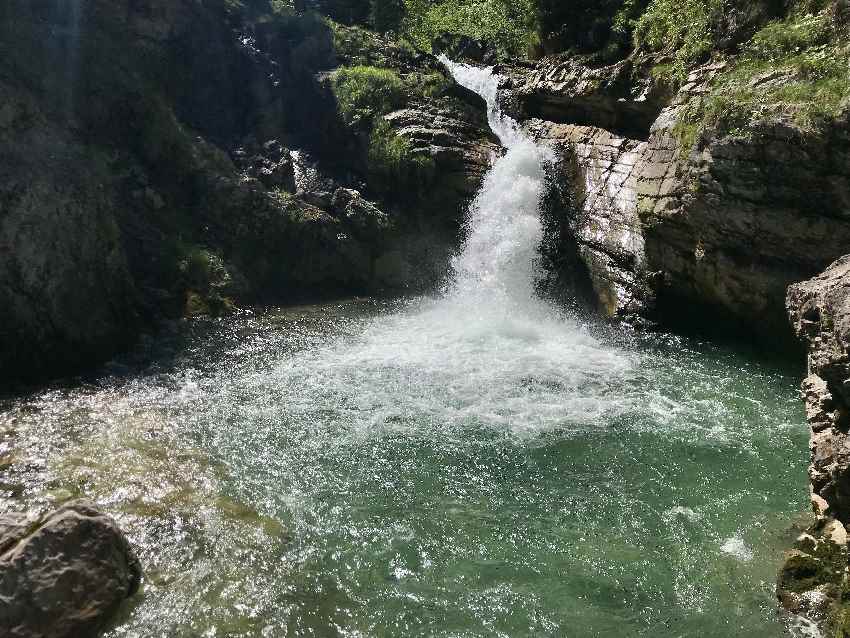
(509, 25)
(395, 166)
(364, 92)
(602, 27)
(797, 68)
(685, 28)
(786, 37)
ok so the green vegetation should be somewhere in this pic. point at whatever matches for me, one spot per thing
(364, 92)
(386, 15)
(685, 28)
(395, 164)
(510, 25)
(797, 68)
(205, 277)
(600, 28)
(364, 95)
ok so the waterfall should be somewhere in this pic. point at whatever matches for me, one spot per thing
(497, 262)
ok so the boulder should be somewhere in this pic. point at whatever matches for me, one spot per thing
(64, 575)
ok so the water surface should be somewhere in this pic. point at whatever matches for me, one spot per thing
(479, 463)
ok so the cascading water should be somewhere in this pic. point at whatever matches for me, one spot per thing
(504, 232)
(479, 464)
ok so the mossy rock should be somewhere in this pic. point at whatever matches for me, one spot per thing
(803, 572)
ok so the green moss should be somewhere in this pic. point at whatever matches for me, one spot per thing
(686, 132)
(365, 92)
(802, 572)
(427, 85)
(394, 165)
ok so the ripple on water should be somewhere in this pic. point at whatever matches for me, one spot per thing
(273, 485)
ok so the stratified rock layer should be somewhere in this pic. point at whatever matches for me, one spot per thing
(819, 310)
(724, 222)
(65, 575)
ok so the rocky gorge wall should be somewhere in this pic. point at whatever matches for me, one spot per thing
(813, 581)
(725, 222)
(147, 172)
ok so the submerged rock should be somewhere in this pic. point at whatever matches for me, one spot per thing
(64, 575)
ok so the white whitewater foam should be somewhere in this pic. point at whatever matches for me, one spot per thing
(490, 350)
(497, 263)
(735, 546)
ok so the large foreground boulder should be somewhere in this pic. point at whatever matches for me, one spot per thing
(64, 575)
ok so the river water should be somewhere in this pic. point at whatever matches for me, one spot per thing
(478, 463)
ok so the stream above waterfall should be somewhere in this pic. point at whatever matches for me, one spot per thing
(476, 463)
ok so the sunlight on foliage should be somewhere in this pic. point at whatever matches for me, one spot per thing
(363, 92)
(394, 162)
(509, 25)
(684, 28)
(797, 68)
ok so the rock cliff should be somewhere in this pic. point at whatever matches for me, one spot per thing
(665, 218)
(813, 580)
(147, 172)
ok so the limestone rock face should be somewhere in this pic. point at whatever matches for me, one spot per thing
(564, 91)
(456, 137)
(724, 223)
(602, 170)
(65, 575)
(819, 310)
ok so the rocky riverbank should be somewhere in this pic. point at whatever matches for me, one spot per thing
(174, 158)
(814, 579)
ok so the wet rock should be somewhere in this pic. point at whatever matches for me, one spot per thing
(362, 216)
(64, 575)
(602, 220)
(273, 166)
(564, 91)
(458, 141)
(813, 575)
